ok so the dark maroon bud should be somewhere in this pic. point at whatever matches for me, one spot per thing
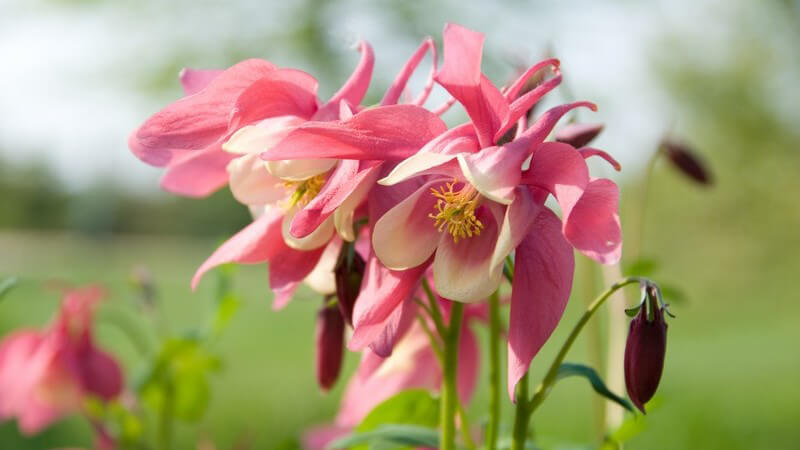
(578, 134)
(330, 346)
(348, 273)
(687, 161)
(645, 350)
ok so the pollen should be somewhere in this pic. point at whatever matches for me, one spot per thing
(303, 191)
(455, 211)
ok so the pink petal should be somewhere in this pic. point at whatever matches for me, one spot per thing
(462, 271)
(393, 328)
(588, 152)
(281, 92)
(538, 132)
(559, 169)
(495, 171)
(519, 216)
(346, 178)
(288, 269)
(515, 88)
(257, 243)
(198, 120)
(542, 283)
(406, 236)
(382, 291)
(17, 352)
(197, 173)
(522, 105)
(194, 80)
(101, 374)
(461, 76)
(401, 80)
(318, 438)
(355, 88)
(383, 133)
(252, 184)
(593, 225)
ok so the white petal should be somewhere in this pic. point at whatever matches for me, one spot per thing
(252, 184)
(299, 169)
(262, 136)
(316, 239)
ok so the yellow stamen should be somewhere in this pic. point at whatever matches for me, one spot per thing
(303, 191)
(455, 211)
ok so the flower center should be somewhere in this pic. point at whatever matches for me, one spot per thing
(455, 211)
(303, 191)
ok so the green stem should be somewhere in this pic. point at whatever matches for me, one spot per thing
(462, 414)
(434, 311)
(449, 400)
(521, 416)
(544, 387)
(494, 371)
(166, 419)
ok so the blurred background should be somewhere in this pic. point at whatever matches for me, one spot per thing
(76, 206)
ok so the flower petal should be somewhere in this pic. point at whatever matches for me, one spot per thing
(559, 169)
(101, 374)
(252, 184)
(383, 133)
(281, 92)
(542, 283)
(197, 173)
(393, 328)
(198, 120)
(519, 216)
(495, 171)
(516, 87)
(319, 237)
(544, 125)
(588, 152)
(462, 271)
(195, 80)
(322, 279)
(593, 225)
(355, 88)
(461, 76)
(262, 136)
(522, 105)
(288, 269)
(405, 236)
(401, 80)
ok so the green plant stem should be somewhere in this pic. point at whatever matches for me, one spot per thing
(449, 400)
(165, 422)
(462, 414)
(595, 344)
(494, 371)
(437, 348)
(522, 415)
(434, 310)
(544, 387)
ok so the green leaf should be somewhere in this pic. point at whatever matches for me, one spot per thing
(642, 267)
(391, 436)
(632, 312)
(226, 309)
(411, 407)
(7, 285)
(571, 369)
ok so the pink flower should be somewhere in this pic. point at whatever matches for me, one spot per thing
(46, 374)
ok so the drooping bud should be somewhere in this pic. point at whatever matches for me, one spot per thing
(348, 273)
(645, 349)
(687, 161)
(330, 345)
(578, 134)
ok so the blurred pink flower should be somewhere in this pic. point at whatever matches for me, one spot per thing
(46, 374)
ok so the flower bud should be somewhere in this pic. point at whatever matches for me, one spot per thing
(687, 161)
(578, 134)
(330, 345)
(644, 350)
(348, 273)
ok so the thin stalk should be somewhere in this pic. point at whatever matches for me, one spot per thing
(521, 415)
(449, 399)
(437, 348)
(595, 344)
(434, 311)
(494, 371)
(544, 387)
(165, 421)
(462, 415)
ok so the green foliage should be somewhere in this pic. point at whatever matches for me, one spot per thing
(572, 369)
(391, 437)
(7, 285)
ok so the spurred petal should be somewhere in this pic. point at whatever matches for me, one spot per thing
(522, 105)
(252, 184)
(316, 239)
(355, 88)
(401, 80)
(197, 173)
(461, 270)
(544, 125)
(405, 236)
(516, 87)
(543, 271)
(195, 80)
(383, 133)
(461, 76)
(593, 225)
(256, 243)
(588, 152)
(198, 120)
(281, 92)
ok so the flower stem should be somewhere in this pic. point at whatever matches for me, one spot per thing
(544, 387)
(449, 400)
(166, 418)
(521, 416)
(494, 371)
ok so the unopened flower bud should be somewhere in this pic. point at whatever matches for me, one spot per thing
(645, 349)
(349, 272)
(578, 134)
(330, 345)
(687, 161)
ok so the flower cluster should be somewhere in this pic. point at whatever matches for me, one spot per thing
(377, 203)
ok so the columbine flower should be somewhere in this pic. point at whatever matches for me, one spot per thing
(47, 374)
(645, 350)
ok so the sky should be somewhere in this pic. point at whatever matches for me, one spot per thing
(70, 84)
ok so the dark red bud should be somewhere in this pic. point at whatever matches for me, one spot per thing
(330, 346)
(349, 272)
(100, 373)
(687, 161)
(644, 353)
(578, 134)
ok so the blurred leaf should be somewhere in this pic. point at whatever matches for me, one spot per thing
(226, 309)
(505, 443)
(411, 407)
(391, 436)
(642, 267)
(7, 285)
(673, 293)
(571, 369)
(632, 312)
